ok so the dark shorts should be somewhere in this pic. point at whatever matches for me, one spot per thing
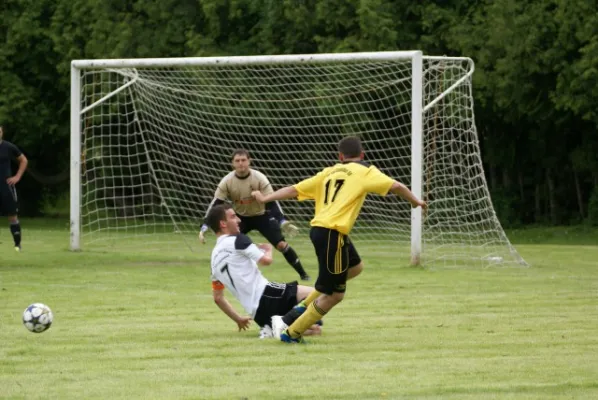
(8, 200)
(269, 227)
(277, 299)
(336, 254)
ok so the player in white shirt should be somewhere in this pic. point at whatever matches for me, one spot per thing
(235, 260)
(267, 219)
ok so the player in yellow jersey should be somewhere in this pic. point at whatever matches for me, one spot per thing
(339, 192)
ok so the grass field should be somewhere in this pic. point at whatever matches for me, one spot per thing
(143, 325)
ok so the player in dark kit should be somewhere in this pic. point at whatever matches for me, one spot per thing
(8, 192)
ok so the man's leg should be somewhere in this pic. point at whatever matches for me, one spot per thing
(355, 268)
(273, 210)
(245, 225)
(297, 307)
(333, 262)
(292, 259)
(352, 273)
(270, 229)
(15, 230)
(308, 294)
(315, 330)
(10, 208)
(314, 313)
(303, 292)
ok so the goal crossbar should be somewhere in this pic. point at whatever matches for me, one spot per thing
(244, 60)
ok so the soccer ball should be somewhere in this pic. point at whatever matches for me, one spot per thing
(38, 318)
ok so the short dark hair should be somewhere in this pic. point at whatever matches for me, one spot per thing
(240, 152)
(350, 147)
(216, 215)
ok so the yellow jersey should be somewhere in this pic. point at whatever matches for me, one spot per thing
(339, 193)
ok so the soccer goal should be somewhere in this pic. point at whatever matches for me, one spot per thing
(151, 138)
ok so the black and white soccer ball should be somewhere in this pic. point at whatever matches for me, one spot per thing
(38, 318)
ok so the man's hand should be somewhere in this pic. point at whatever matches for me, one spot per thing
(289, 229)
(13, 180)
(420, 203)
(202, 233)
(243, 323)
(259, 196)
(265, 246)
(266, 258)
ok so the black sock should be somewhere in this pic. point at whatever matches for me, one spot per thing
(293, 259)
(15, 229)
(291, 316)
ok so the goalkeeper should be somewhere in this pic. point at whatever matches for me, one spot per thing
(266, 219)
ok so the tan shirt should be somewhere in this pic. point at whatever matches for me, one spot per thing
(238, 191)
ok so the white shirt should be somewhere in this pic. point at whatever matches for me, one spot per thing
(234, 264)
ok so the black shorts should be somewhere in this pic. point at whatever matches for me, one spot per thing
(8, 200)
(336, 254)
(267, 226)
(277, 299)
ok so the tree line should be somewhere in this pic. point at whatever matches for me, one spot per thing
(535, 86)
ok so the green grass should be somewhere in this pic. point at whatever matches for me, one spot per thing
(143, 325)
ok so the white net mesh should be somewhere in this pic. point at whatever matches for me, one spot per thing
(153, 152)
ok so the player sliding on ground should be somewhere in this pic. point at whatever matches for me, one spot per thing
(339, 192)
(268, 220)
(235, 262)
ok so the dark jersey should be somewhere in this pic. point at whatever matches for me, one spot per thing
(8, 152)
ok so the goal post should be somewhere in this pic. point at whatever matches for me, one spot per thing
(151, 138)
(416, 155)
(75, 180)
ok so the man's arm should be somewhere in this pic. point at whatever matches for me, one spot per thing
(281, 194)
(261, 254)
(304, 190)
(22, 160)
(222, 303)
(380, 183)
(403, 191)
(265, 259)
(275, 210)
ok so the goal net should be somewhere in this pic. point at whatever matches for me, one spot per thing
(151, 139)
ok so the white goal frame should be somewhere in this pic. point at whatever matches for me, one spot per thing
(417, 112)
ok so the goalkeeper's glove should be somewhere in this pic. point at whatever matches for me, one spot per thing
(202, 232)
(288, 228)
